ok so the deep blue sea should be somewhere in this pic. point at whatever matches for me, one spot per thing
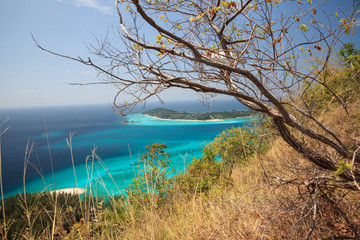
(118, 144)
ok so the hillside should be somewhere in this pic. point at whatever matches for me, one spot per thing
(260, 189)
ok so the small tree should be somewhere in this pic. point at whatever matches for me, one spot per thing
(250, 50)
(234, 146)
(203, 173)
(154, 178)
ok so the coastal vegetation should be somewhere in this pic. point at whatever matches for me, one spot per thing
(248, 184)
(164, 113)
(267, 55)
(294, 175)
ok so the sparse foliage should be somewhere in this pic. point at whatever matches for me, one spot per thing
(249, 50)
(234, 146)
(258, 53)
(154, 179)
(202, 173)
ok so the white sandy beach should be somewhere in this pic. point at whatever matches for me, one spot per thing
(185, 120)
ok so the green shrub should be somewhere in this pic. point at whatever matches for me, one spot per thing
(202, 173)
(234, 146)
(154, 180)
(231, 147)
(344, 84)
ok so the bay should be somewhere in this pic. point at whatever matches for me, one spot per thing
(117, 141)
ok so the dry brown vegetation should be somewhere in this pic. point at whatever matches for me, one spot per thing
(254, 208)
(274, 195)
(271, 191)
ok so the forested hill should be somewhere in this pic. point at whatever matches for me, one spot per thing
(164, 113)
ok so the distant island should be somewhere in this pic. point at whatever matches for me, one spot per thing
(164, 113)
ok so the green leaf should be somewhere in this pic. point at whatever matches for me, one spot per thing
(304, 28)
(348, 165)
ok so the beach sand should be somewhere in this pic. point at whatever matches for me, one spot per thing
(185, 120)
(71, 190)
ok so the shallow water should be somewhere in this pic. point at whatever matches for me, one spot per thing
(119, 145)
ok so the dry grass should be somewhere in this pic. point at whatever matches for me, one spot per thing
(254, 207)
(233, 213)
(271, 197)
(257, 206)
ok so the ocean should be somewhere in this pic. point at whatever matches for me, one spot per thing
(98, 129)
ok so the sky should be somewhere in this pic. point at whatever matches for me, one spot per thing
(30, 77)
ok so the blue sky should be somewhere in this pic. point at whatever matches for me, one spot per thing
(30, 76)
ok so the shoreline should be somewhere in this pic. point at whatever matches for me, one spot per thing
(189, 120)
(73, 190)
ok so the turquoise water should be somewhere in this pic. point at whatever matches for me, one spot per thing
(119, 146)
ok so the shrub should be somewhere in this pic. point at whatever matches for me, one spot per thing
(345, 84)
(202, 173)
(234, 146)
(154, 179)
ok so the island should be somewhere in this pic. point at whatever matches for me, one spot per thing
(164, 113)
